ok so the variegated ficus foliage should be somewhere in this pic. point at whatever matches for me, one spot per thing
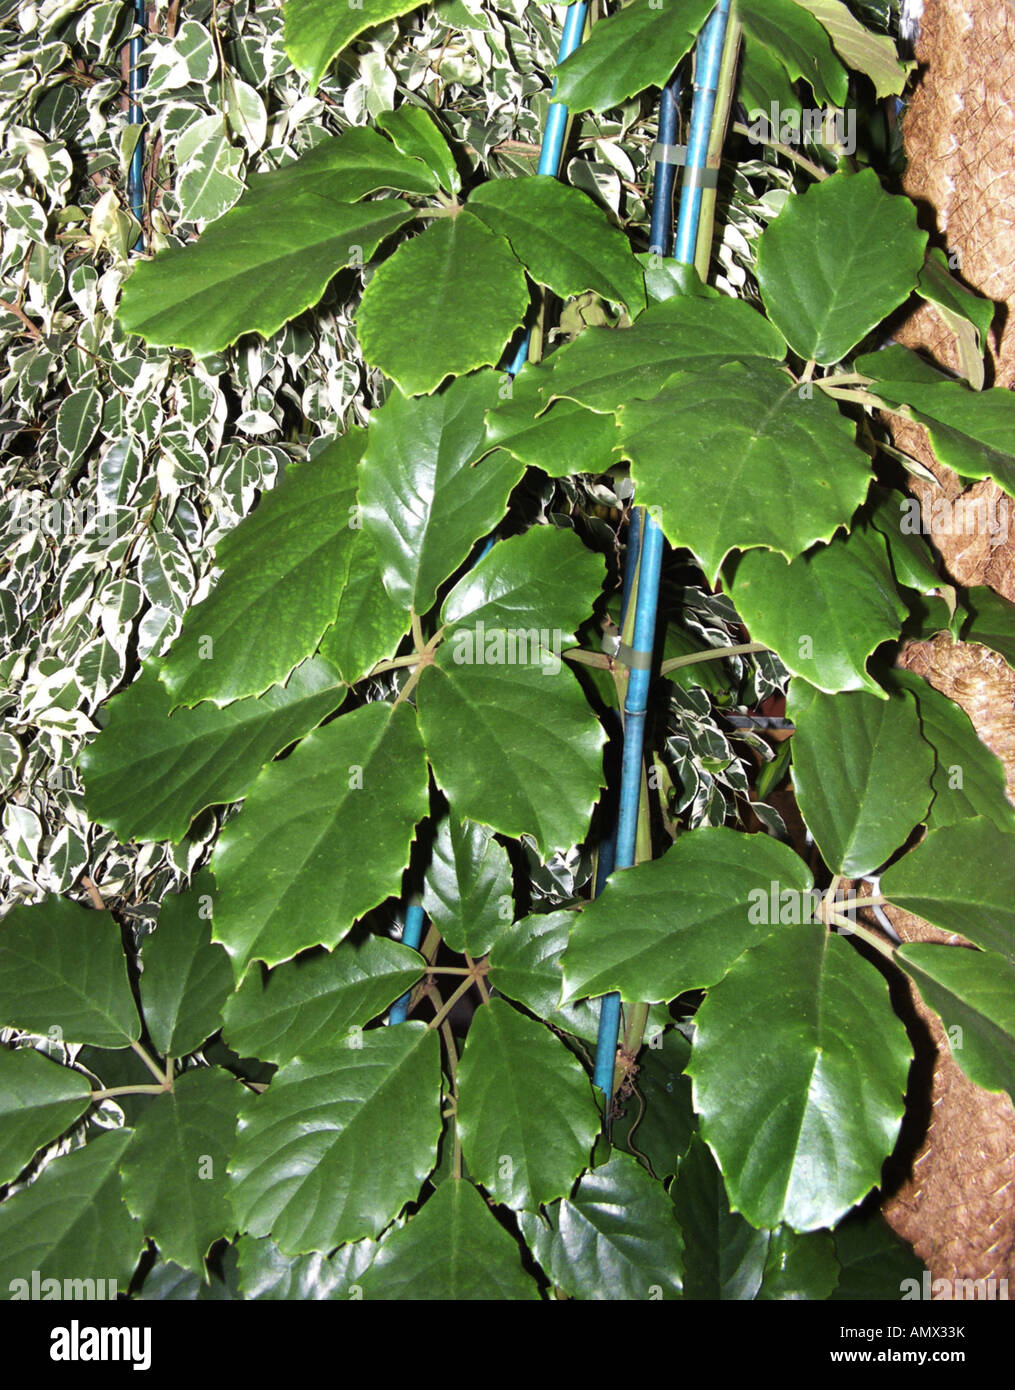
(310, 608)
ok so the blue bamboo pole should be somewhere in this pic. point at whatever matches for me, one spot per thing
(135, 176)
(706, 80)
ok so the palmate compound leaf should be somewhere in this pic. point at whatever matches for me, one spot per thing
(317, 30)
(973, 992)
(679, 922)
(313, 1002)
(340, 1141)
(836, 261)
(71, 1225)
(824, 612)
(323, 837)
(562, 237)
(186, 977)
(798, 43)
(511, 738)
(617, 1238)
(63, 974)
(39, 1099)
(799, 1069)
(150, 772)
(444, 303)
(526, 1116)
(565, 439)
(454, 1248)
(254, 269)
(960, 878)
(706, 443)
(467, 893)
(285, 567)
(861, 803)
(174, 1175)
(426, 492)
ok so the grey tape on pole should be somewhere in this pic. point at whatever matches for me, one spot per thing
(669, 154)
(634, 660)
(701, 178)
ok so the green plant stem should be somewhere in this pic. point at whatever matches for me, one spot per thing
(160, 1076)
(716, 140)
(815, 170)
(872, 939)
(712, 654)
(451, 1001)
(129, 1091)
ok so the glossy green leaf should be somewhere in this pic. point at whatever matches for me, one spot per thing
(265, 1273)
(966, 313)
(149, 772)
(513, 746)
(799, 1068)
(39, 1100)
(606, 367)
(973, 992)
(186, 978)
(425, 499)
(635, 48)
(562, 238)
(679, 922)
(525, 965)
(972, 432)
(991, 622)
(658, 1122)
(875, 1262)
(968, 778)
(323, 837)
(799, 43)
(860, 805)
(545, 579)
(174, 1175)
(417, 135)
(825, 611)
(253, 270)
(317, 30)
(71, 1225)
(892, 514)
(836, 261)
(615, 1239)
(422, 318)
(745, 433)
(284, 570)
(799, 1266)
(63, 974)
(313, 1002)
(454, 1249)
(169, 1283)
(565, 439)
(526, 1116)
(961, 878)
(340, 1141)
(874, 55)
(467, 894)
(724, 1256)
(343, 168)
(370, 624)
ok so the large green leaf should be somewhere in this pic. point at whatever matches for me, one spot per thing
(824, 612)
(605, 367)
(724, 1256)
(635, 48)
(747, 441)
(323, 837)
(962, 879)
(312, 1003)
(525, 965)
(316, 30)
(616, 1239)
(526, 1116)
(861, 804)
(285, 568)
(174, 1175)
(467, 895)
(799, 1068)
(799, 1265)
(416, 134)
(252, 270)
(39, 1099)
(544, 579)
(445, 302)
(266, 1273)
(562, 238)
(63, 974)
(972, 432)
(425, 499)
(343, 168)
(71, 1224)
(974, 994)
(874, 55)
(370, 624)
(186, 978)
(679, 922)
(836, 261)
(514, 746)
(150, 772)
(968, 778)
(454, 1249)
(565, 439)
(874, 1261)
(967, 314)
(340, 1141)
(798, 43)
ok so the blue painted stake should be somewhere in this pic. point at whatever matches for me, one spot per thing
(135, 176)
(412, 935)
(709, 58)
